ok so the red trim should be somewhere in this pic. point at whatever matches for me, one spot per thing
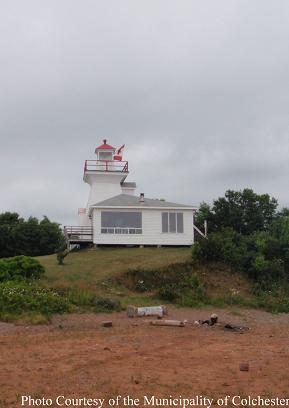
(105, 146)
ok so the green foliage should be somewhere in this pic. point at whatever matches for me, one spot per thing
(243, 211)
(19, 268)
(174, 283)
(227, 246)
(31, 237)
(279, 229)
(88, 299)
(61, 254)
(183, 294)
(145, 280)
(20, 297)
(169, 293)
(203, 214)
(230, 299)
(261, 256)
(274, 299)
(107, 304)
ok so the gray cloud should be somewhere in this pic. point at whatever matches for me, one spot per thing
(198, 92)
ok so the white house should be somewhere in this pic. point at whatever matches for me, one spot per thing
(116, 216)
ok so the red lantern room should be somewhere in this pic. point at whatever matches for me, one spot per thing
(109, 159)
(105, 151)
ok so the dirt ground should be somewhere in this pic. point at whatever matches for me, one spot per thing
(76, 357)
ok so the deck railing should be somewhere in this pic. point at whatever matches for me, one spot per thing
(78, 234)
(106, 165)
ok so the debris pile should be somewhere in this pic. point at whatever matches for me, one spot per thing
(210, 322)
(160, 311)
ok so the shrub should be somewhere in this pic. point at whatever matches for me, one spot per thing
(4, 274)
(170, 293)
(141, 279)
(186, 293)
(259, 255)
(20, 297)
(274, 299)
(107, 304)
(19, 268)
(144, 280)
(173, 283)
(227, 246)
(88, 299)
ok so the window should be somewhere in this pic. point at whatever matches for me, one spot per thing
(165, 222)
(180, 222)
(121, 222)
(105, 156)
(172, 222)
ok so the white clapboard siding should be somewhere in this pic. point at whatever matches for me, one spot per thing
(151, 230)
(103, 186)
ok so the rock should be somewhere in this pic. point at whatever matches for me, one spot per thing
(107, 323)
(244, 367)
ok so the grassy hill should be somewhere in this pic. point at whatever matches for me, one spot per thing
(111, 278)
(104, 273)
(88, 268)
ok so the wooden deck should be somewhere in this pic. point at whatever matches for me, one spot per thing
(78, 234)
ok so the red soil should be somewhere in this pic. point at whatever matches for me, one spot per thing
(76, 357)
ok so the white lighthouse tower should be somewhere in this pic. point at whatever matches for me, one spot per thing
(106, 176)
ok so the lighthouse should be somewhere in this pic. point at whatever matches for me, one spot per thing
(106, 177)
(114, 215)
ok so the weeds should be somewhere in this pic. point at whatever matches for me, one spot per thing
(181, 284)
(21, 297)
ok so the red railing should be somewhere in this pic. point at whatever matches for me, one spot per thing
(106, 165)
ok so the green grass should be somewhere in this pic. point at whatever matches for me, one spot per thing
(103, 273)
(114, 274)
(89, 274)
(87, 269)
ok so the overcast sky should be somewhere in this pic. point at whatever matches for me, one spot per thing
(197, 90)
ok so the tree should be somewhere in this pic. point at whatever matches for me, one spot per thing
(28, 237)
(52, 238)
(10, 219)
(283, 213)
(204, 214)
(243, 211)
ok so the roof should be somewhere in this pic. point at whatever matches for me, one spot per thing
(128, 184)
(105, 146)
(126, 200)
